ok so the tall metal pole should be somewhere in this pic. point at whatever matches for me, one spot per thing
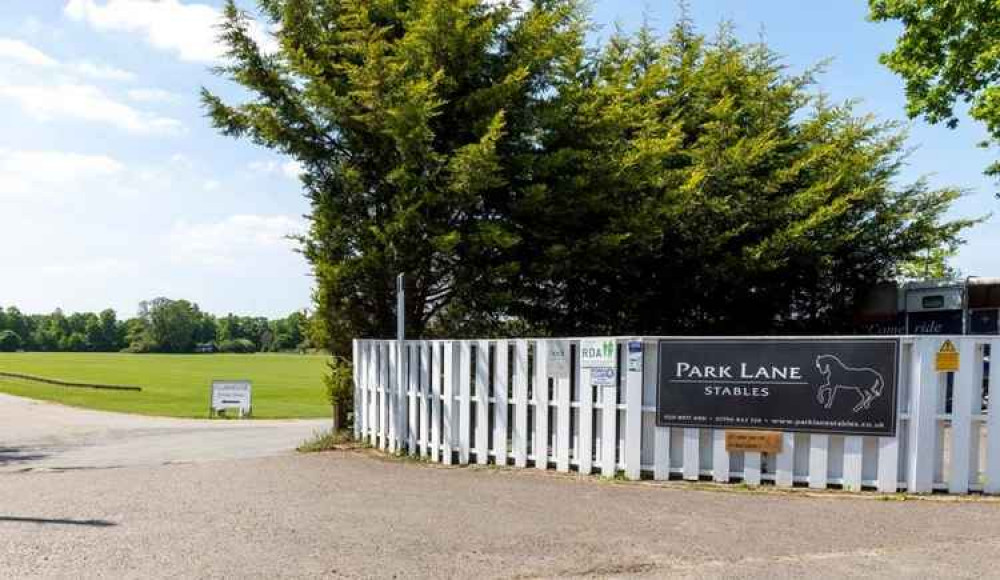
(400, 337)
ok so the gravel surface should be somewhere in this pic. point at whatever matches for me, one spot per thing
(38, 435)
(354, 514)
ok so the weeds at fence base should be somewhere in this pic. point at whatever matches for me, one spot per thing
(329, 441)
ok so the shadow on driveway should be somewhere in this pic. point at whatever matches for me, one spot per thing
(58, 521)
(17, 455)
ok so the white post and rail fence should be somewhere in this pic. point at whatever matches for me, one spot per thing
(882, 413)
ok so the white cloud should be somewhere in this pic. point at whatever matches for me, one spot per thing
(11, 49)
(234, 240)
(48, 174)
(290, 169)
(23, 53)
(87, 103)
(153, 96)
(101, 71)
(185, 29)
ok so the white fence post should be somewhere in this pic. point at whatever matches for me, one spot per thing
(720, 456)
(482, 401)
(356, 371)
(413, 362)
(818, 460)
(384, 392)
(563, 413)
(692, 454)
(501, 383)
(609, 419)
(464, 400)
(661, 435)
(633, 412)
(853, 462)
(784, 475)
(924, 385)
(520, 442)
(992, 470)
(425, 377)
(448, 402)
(541, 393)
(585, 437)
(436, 390)
(964, 388)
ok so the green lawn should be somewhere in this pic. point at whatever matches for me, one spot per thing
(284, 385)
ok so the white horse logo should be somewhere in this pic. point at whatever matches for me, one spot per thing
(867, 382)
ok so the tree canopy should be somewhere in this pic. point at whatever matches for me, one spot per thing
(528, 179)
(949, 52)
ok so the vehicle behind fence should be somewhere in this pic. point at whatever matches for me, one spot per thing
(497, 402)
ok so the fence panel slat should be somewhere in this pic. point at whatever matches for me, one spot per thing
(924, 384)
(398, 442)
(609, 429)
(661, 435)
(633, 412)
(448, 403)
(372, 397)
(390, 397)
(992, 471)
(819, 446)
(500, 385)
(965, 387)
(358, 398)
(563, 421)
(720, 457)
(520, 442)
(464, 400)
(853, 462)
(382, 411)
(436, 390)
(541, 404)
(425, 377)
(413, 386)
(784, 475)
(692, 454)
(585, 436)
(482, 402)
(751, 467)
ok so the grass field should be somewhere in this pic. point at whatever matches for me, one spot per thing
(284, 385)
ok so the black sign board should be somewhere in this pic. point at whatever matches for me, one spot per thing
(935, 322)
(844, 386)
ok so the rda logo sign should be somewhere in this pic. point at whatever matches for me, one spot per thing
(780, 385)
(599, 357)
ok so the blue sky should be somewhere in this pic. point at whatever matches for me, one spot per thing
(114, 189)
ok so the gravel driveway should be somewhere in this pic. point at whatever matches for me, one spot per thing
(357, 514)
(38, 435)
(350, 514)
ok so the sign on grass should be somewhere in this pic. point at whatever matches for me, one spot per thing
(231, 395)
(845, 386)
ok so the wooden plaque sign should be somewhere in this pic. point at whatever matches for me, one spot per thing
(762, 441)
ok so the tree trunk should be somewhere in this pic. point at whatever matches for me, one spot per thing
(336, 419)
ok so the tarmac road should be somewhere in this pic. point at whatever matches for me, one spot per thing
(36, 435)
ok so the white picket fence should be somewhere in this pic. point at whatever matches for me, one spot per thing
(493, 401)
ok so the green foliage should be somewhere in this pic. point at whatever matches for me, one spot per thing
(949, 51)
(10, 341)
(328, 441)
(526, 181)
(339, 382)
(238, 345)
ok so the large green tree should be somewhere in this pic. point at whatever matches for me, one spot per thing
(948, 52)
(528, 179)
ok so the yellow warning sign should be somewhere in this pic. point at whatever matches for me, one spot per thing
(947, 358)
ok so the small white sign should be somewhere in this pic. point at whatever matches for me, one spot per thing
(231, 395)
(597, 353)
(558, 361)
(634, 356)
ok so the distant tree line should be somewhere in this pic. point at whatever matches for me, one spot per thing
(162, 325)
